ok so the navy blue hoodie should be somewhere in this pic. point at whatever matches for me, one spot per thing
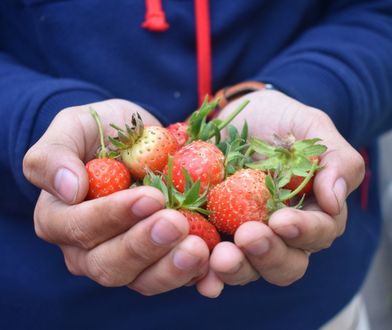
(334, 55)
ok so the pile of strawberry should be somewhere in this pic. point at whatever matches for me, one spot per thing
(217, 185)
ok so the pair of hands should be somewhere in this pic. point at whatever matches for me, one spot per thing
(130, 239)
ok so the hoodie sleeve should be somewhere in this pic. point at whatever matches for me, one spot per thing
(28, 103)
(343, 66)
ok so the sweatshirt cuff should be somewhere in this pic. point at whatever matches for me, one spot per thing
(61, 100)
(315, 86)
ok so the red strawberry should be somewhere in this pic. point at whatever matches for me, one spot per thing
(144, 148)
(106, 176)
(202, 160)
(241, 197)
(199, 226)
(190, 203)
(290, 159)
(179, 131)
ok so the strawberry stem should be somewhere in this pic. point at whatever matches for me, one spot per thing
(232, 115)
(303, 183)
(102, 150)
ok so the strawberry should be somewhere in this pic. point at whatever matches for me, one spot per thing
(106, 175)
(144, 148)
(190, 203)
(241, 197)
(179, 131)
(249, 195)
(292, 159)
(202, 160)
(200, 226)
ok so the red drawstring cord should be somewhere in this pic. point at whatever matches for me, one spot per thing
(203, 49)
(155, 20)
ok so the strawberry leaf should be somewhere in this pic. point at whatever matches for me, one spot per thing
(303, 144)
(269, 182)
(192, 194)
(284, 179)
(264, 165)
(315, 150)
(262, 147)
(245, 131)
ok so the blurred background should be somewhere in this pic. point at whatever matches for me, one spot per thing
(377, 290)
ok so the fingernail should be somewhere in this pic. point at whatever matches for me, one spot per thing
(258, 247)
(164, 232)
(340, 191)
(289, 231)
(184, 260)
(66, 185)
(146, 206)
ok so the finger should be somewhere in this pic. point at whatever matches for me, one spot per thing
(309, 229)
(119, 261)
(210, 286)
(56, 162)
(187, 261)
(268, 254)
(231, 265)
(92, 222)
(343, 167)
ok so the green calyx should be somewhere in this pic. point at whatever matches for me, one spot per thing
(128, 136)
(202, 129)
(190, 200)
(279, 195)
(236, 149)
(103, 151)
(287, 156)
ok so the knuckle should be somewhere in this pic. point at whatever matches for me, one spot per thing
(97, 271)
(142, 289)
(287, 280)
(38, 224)
(288, 277)
(66, 113)
(33, 162)
(341, 229)
(327, 244)
(71, 266)
(76, 234)
(359, 165)
(138, 251)
(321, 115)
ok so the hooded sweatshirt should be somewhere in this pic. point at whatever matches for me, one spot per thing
(333, 55)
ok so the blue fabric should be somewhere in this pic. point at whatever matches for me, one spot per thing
(333, 55)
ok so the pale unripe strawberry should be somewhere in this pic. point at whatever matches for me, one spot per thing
(144, 149)
(150, 151)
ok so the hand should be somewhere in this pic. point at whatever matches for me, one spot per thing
(124, 239)
(279, 252)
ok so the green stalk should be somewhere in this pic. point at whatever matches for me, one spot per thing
(102, 152)
(303, 184)
(234, 114)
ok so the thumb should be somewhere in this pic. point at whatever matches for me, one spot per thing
(342, 172)
(55, 163)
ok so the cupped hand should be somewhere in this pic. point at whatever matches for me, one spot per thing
(124, 239)
(279, 252)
